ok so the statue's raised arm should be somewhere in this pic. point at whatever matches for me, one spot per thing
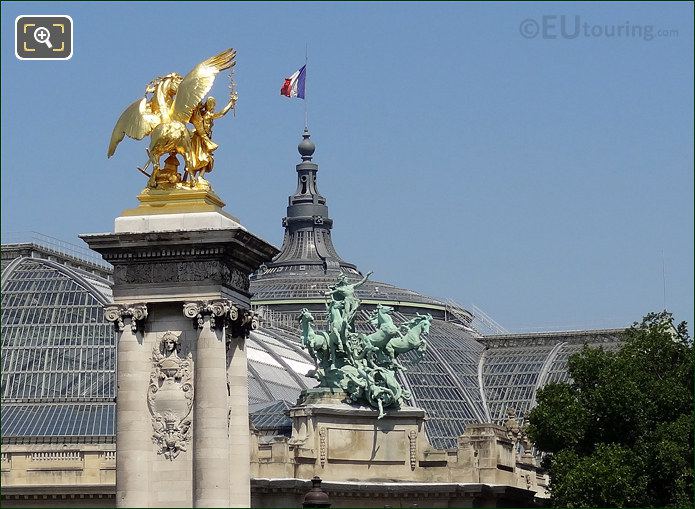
(233, 97)
(343, 290)
(363, 280)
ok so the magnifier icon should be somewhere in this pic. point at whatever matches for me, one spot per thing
(43, 36)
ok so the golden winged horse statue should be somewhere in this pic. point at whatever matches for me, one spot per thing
(170, 103)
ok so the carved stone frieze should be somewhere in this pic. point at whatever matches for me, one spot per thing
(117, 313)
(170, 396)
(181, 272)
(239, 279)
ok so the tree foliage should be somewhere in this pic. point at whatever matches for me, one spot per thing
(620, 433)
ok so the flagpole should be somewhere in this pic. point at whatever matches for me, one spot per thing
(306, 103)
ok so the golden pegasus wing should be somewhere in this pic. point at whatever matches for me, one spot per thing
(197, 83)
(137, 121)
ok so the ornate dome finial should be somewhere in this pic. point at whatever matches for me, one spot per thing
(306, 147)
(307, 244)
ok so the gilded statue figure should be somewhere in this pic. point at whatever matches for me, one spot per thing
(170, 103)
(202, 145)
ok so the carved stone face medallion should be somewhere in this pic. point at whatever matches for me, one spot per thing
(169, 346)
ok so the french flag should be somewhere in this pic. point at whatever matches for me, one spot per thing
(295, 85)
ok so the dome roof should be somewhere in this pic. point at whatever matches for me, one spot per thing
(59, 359)
(460, 380)
(309, 286)
(308, 261)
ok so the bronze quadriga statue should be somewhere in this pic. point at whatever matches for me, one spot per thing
(364, 366)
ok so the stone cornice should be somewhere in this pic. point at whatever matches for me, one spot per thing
(551, 338)
(247, 249)
(359, 489)
(58, 491)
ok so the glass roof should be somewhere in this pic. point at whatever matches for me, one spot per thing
(56, 343)
(510, 376)
(59, 358)
(557, 370)
(300, 284)
(271, 416)
(57, 420)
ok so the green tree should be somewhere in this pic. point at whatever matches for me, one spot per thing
(620, 432)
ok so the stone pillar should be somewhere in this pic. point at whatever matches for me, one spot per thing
(168, 260)
(211, 468)
(133, 428)
(239, 435)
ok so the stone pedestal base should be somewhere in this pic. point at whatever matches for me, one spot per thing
(177, 199)
(176, 209)
(340, 441)
(148, 223)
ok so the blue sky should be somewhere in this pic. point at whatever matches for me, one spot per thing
(545, 180)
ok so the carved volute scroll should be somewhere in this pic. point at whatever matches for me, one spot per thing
(117, 313)
(223, 313)
(170, 396)
(218, 311)
(239, 326)
(242, 322)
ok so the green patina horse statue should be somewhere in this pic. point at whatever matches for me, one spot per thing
(322, 346)
(391, 340)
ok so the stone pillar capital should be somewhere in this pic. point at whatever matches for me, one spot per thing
(223, 313)
(218, 311)
(117, 313)
(242, 322)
